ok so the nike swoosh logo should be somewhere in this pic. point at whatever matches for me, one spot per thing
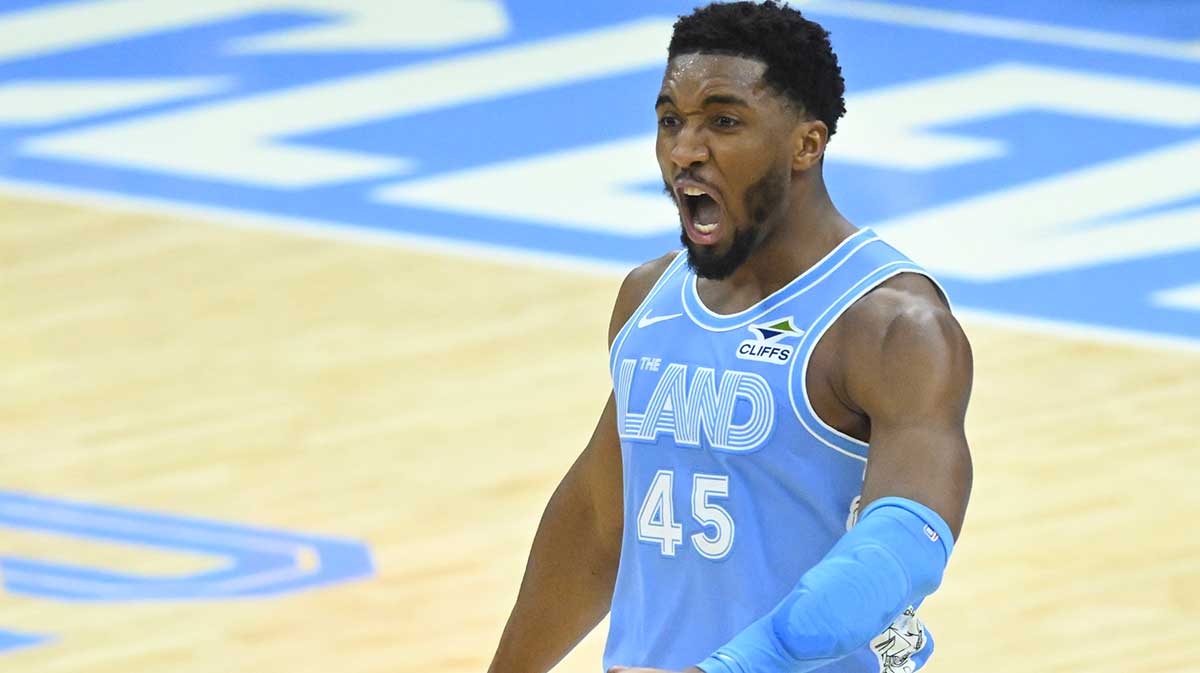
(646, 320)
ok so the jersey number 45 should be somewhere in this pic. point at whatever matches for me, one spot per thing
(656, 517)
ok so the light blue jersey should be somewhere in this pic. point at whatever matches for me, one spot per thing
(733, 486)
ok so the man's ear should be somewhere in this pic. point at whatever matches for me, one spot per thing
(808, 144)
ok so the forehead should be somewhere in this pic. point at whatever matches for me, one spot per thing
(701, 73)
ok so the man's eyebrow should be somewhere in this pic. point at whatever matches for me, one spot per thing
(724, 99)
(715, 99)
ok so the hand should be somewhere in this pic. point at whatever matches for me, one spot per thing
(635, 670)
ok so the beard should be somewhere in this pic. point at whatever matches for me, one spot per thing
(711, 265)
(761, 200)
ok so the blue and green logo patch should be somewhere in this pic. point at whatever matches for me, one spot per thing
(769, 345)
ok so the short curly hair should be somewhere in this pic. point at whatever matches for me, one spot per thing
(801, 64)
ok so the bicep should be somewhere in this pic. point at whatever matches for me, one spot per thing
(928, 464)
(914, 387)
(597, 473)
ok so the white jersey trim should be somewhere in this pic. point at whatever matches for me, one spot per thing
(754, 312)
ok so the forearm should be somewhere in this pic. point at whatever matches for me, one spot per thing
(567, 587)
(890, 560)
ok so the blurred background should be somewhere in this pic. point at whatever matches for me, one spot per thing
(305, 307)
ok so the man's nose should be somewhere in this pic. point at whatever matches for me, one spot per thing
(689, 149)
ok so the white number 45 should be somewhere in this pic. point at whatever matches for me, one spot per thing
(656, 518)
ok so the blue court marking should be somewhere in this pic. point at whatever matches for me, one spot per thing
(257, 562)
(13, 640)
(254, 562)
(1113, 293)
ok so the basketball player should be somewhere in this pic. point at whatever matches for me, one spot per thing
(780, 474)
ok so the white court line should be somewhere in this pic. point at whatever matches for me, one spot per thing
(517, 257)
(1186, 297)
(1010, 29)
(1073, 330)
(314, 228)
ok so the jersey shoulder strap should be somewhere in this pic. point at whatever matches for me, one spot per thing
(669, 278)
(872, 262)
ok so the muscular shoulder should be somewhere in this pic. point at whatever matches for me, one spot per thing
(896, 308)
(634, 289)
(900, 343)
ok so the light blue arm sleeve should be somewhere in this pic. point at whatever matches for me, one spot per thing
(891, 559)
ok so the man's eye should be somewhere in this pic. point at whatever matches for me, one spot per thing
(725, 122)
(668, 121)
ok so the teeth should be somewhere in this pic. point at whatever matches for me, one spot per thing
(693, 191)
(706, 228)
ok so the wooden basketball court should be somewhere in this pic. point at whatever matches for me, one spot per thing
(427, 405)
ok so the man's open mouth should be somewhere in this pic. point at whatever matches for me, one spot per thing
(701, 213)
